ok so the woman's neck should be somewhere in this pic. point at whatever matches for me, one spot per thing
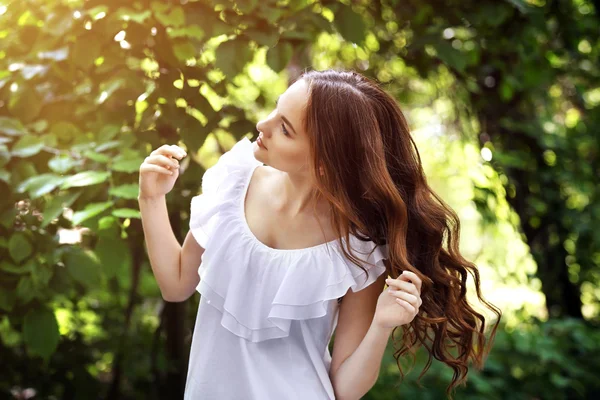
(298, 196)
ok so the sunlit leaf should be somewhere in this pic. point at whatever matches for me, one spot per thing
(128, 14)
(128, 165)
(184, 50)
(128, 191)
(54, 55)
(27, 146)
(90, 211)
(63, 163)
(86, 178)
(58, 24)
(11, 126)
(192, 31)
(40, 185)
(56, 206)
(168, 15)
(126, 213)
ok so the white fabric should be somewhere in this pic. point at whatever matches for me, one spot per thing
(266, 315)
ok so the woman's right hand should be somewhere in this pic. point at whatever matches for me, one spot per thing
(159, 171)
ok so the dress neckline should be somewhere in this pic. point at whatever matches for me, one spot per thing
(242, 206)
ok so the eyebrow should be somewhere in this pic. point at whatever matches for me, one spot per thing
(285, 119)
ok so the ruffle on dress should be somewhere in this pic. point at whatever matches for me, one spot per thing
(259, 289)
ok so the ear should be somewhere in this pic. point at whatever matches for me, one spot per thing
(321, 170)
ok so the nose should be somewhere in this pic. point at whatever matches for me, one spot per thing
(261, 127)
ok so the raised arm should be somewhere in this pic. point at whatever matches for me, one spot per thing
(175, 267)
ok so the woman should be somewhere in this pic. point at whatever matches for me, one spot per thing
(341, 203)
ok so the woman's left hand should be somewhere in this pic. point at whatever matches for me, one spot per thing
(399, 304)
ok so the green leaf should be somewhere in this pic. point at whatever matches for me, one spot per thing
(86, 178)
(7, 300)
(56, 206)
(54, 55)
(127, 14)
(232, 56)
(113, 254)
(27, 146)
(16, 269)
(11, 127)
(184, 50)
(175, 17)
(90, 211)
(246, 6)
(128, 191)
(350, 24)
(450, 56)
(127, 165)
(92, 155)
(58, 23)
(126, 213)
(65, 131)
(86, 50)
(279, 56)
(520, 5)
(19, 247)
(268, 38)
(31, 71)
(83, 266)
(4, 155)
(40, 332)
(61, 164)
(25, 104)
(40, 185)
(41, 275)
(25, 289)
(5, 176)
(192, 31)
(108, 145)
(107, 223)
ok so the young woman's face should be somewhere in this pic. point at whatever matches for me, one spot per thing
(281, 133)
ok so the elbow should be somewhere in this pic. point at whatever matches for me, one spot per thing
(174, 296)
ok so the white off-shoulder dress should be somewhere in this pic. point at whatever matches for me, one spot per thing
(266, 315)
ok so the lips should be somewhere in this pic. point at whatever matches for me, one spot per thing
(260, 143)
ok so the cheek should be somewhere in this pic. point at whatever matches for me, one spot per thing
(290, 157)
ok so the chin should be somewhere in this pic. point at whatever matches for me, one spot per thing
(257, 153)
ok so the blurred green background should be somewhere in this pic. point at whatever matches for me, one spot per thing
(503, 97)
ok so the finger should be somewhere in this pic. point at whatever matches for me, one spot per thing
(407, 306)
(413, 300)
(169, 150)
(179, 150)
(411, 276)
(162, 161)
(155, 168)
(404, 285)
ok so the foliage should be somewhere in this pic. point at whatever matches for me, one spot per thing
(556, 359)
(88, 88)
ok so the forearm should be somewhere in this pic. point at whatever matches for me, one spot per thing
(359, 372)
(164, 251)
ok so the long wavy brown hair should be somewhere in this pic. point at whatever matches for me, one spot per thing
(370, 172)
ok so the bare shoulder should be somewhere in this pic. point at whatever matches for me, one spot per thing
(264, 177)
